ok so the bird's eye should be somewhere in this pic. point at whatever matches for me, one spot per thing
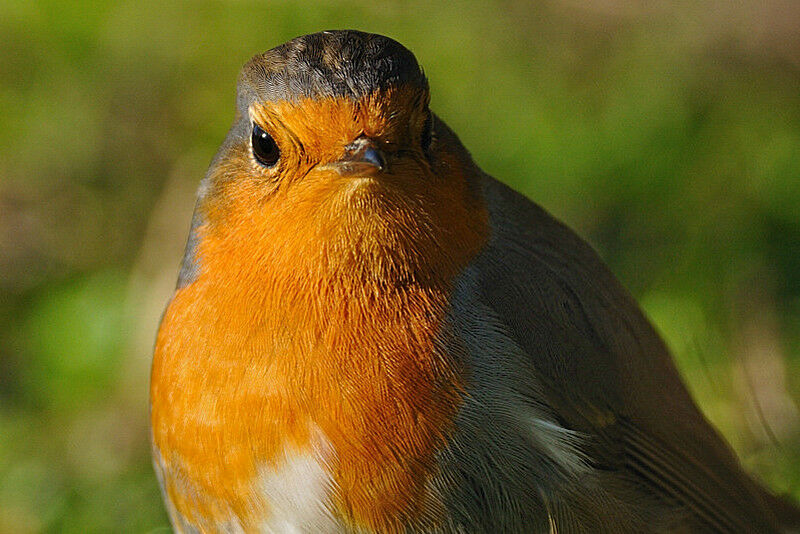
(265, 150)
(427, 132)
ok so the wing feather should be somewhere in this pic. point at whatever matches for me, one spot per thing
(606, 372)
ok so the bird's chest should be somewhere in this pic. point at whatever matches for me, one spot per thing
(236, 444)
(292, 493)
(260, 425)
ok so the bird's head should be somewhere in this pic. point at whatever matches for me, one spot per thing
(335, 163)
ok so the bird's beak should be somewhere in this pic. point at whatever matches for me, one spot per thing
(362, 158)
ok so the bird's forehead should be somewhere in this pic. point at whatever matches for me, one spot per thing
(387, 114)
(343, 63)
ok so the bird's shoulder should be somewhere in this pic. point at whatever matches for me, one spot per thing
(601, 367)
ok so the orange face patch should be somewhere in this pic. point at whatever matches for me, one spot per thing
(319, 305)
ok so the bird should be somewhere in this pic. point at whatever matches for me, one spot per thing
(369, 334)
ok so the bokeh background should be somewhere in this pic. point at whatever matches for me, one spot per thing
(667, 133)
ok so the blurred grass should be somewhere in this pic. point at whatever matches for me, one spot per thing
(668, 135)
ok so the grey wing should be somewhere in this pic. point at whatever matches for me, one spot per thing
(603, 373)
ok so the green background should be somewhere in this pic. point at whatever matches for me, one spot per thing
(666, 133)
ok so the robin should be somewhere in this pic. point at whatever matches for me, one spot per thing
(370, 334)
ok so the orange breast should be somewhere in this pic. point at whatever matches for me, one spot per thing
(234, 387)
(318, 307)
(307, 318)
